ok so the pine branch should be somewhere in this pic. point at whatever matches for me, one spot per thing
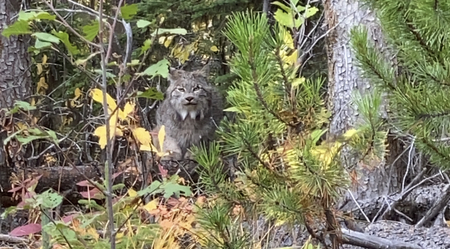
(258, 90)
(283, 73)
(420, 39)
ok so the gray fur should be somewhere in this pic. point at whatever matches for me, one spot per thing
(190, 112)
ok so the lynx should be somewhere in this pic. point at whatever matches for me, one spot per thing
(190, 112)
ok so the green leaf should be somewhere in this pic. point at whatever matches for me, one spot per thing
(45, 16)
(232, 109)
(28, 139)
(134, 63)
(285, 19)
(46, 37)
(64, 37)
(91, 204)
(146, 46)
(128, 11)
(22, 105)
(142, 23)
(91, 30)
(17, 28)
(8, 211)
(160, 68)
(35, 134)
(150, 189)
(47, 200)
(42, 44)
(33, 15)
(108, 74)
(282, 6)
(311, 11)
(171, 188)
(178, 31)
(151, 93)
(52, 135)
(118, 186)
(26, 16)
(316, 135)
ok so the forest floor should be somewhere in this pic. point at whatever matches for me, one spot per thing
(426, 238)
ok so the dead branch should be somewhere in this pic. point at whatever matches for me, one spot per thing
(372, 242)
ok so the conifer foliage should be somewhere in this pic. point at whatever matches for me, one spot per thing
(281, 169)
(418, 85)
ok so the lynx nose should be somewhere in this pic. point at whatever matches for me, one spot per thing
(189, 99)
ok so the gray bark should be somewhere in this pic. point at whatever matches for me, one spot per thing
(15, 75)
(381, 177)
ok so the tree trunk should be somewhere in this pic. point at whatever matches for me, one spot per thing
(380, 178)
(15, 74)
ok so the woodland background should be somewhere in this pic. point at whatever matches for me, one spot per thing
(336, 128)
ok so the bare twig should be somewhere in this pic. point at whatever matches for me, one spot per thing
(63, 21)
(109, 142)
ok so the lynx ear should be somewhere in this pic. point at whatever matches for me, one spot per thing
(174, 74)
(204, 71)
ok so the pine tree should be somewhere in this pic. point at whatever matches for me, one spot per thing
(283, 171)
(418, 84)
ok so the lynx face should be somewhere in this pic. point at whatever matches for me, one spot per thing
(191, 111)
(189, 96)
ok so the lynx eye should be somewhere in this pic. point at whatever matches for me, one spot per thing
(180, 89)
(197, 88)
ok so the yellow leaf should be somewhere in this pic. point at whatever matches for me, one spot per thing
(77, 93)
(151, 205)
(298, 81)
(93, 232)
(128, 108)
(66, 121)
(100, 132)
(119, 235)
(161, 39)
(350, 133)
(132, 192)
(143, 136)
(168, 41)
(161, 137)
(21, 126)
(214, 49)
(291, 59)
(39, 68)
(44, 59)
(42, 86)
(288, 40)
(97, 95)
(151, 148)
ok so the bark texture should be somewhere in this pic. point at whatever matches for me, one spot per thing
(344, 78)
(15, 74)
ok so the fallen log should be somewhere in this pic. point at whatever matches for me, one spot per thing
(372, 242)
(59, 178)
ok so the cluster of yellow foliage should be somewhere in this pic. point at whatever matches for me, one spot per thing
(140, 134)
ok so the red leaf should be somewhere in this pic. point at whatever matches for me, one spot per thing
(84, 183)
(162, 171)
(69, 218)
(116, 174)
(26, 230)
(93, 194)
